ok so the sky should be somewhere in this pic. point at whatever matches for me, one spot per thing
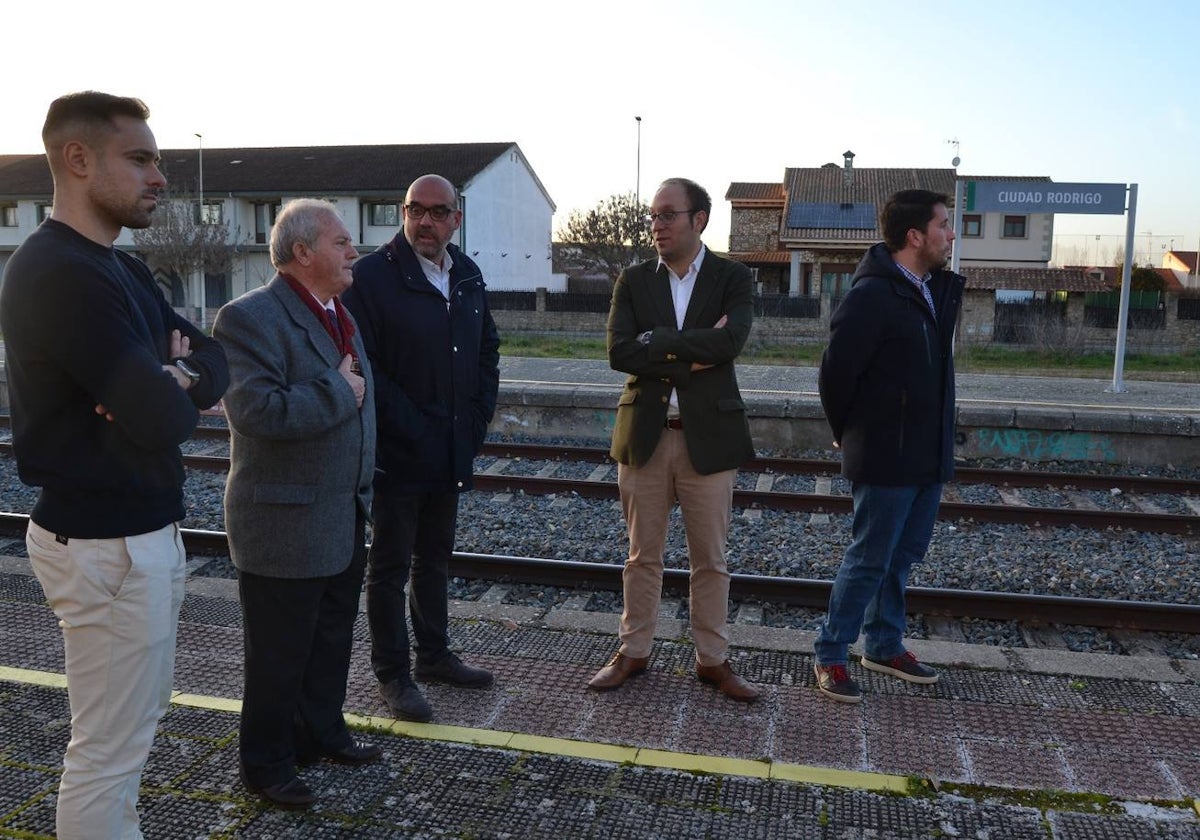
(1091, 91)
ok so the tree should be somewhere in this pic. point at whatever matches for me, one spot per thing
(1145, 279)
(178, 244)
(611, 236)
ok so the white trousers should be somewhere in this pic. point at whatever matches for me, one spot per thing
(117, 602)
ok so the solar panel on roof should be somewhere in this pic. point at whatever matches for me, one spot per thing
(819, 214)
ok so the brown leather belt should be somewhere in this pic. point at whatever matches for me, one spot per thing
(674, 423)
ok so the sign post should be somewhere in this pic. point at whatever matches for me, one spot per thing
(1048, 197)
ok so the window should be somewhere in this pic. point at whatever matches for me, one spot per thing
(264, 220)
(209, 213)
(972, 225)
(8, 215)
(385, 215)
(43, 212)
(1014, 227)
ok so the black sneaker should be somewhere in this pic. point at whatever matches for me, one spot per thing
(450, 669)
(835, 683)
(905, 666)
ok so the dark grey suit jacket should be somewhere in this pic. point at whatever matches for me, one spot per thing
(302, 453)
(714, 416)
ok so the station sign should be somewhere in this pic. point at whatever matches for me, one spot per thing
(1044, 197)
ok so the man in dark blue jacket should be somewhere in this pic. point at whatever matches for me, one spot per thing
(435, 355)
(887, 386)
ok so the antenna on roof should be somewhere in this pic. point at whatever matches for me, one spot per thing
(956, 160)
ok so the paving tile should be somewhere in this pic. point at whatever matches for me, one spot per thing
(18, 786)
(1120, 773)
(1097, 730)
(902, 713)
(1016, 764)
(553, 716)
(989, 721)
(174, 815)
(708, 731)
(1069, 825)
(914, 753)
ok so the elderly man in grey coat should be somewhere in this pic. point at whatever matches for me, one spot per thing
(302, 421)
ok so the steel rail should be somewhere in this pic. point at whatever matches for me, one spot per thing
(815, 466)
(1161, 523)
(1044, 609)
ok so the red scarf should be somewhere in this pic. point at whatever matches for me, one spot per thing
(343, 337)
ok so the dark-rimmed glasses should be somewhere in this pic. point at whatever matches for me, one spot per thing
(666, 216)
(416, 212)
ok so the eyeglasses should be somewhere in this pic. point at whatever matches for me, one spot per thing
(416, 212)
(666, 216)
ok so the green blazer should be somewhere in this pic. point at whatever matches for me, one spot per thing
(710, 404)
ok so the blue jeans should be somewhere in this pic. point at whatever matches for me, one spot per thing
(890, 532)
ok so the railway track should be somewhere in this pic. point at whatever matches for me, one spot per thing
(1032, 609)
(1014, 511)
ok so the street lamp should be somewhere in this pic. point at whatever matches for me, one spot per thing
(200, 218)
(637, 188)
(200, 138)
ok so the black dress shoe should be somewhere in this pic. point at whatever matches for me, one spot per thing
(292, 795)
(450, 669)
(406, 701)
(355, 753)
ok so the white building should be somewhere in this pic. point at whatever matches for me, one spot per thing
(506, 209)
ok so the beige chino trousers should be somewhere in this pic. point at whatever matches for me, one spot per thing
(117, 602)
(706, 501)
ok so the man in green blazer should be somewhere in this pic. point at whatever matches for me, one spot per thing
(676, 325)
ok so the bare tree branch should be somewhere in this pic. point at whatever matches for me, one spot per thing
(612, 235)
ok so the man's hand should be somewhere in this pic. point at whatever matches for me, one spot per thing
(357, 383)
(181, 347)
(722, 321)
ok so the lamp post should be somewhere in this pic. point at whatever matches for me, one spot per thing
(200, 219)
(637, 187)
(200, 138)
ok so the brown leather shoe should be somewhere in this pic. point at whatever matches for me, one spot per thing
(618, 669)
(727, 682)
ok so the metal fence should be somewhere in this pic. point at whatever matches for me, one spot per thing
(1188, 309)
(513, 301)
(577, 301)
(1028, 321)
(786, 306)
(767, 306)
(1147, 310)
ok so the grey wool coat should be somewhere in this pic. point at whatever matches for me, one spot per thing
(302, 454)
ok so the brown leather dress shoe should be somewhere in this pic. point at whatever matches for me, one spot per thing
(727, 682)
(618, 669)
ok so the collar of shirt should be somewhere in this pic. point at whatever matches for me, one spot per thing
(693, 269)
(436, 274)
(912, 278)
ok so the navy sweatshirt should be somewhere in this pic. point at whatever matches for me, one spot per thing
(85, 325)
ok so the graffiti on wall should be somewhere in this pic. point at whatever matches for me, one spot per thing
(1038, 445)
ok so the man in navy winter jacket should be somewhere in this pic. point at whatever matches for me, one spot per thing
(434, 354)
(887, 386)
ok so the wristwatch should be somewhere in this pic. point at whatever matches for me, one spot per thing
(644, 338)
(187, 370)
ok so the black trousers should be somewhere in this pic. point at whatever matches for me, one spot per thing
(298, 634)
(412, 544)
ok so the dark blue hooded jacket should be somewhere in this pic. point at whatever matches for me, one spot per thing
(887, 376)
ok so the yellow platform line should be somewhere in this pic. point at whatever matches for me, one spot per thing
(613, 753)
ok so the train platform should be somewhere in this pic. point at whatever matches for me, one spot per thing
(999, 416)
(1010, 744)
